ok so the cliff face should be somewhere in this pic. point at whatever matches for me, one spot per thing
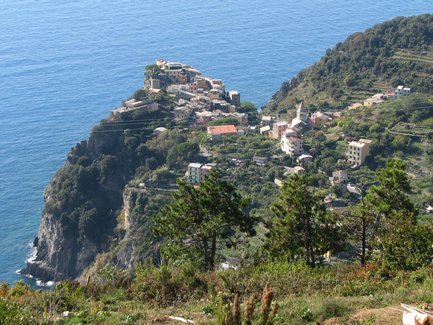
(80, 207)
(125, 251)
(53, 256)
(88, 215)
(59, 255)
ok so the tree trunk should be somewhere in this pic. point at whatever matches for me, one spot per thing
(363, 241)
(205, 252)
(310, 256)
(309, 244)
(213, 250)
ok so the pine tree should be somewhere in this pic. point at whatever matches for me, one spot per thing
(390, 195)
(384, 202)
(302, 228)
(202, 219)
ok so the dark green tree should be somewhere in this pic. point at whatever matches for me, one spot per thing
(140, 94)
(386, 200)
(405, 246)
(363, 230)
(202, 219)
(224, 121)
(390, 196)
(302, 228)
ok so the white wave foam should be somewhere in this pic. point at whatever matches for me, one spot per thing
(31, 259)
(47, 284)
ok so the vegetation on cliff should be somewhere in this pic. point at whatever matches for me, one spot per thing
(85, 197)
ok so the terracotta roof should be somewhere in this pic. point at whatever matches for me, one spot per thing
(222, 129)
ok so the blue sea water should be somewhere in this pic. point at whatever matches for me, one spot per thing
(65, 64)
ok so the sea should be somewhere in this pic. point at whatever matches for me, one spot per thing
(65, 64)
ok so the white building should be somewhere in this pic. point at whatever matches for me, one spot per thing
(193, 173)
(205, 170)
(358, 151)
(197, 172)
(291, 146)
(338, 177)
(279, 129)
(265, 129)
(266, 120)
(402, 91)
(301, 116)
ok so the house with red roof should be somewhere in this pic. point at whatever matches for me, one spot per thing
(216, 132)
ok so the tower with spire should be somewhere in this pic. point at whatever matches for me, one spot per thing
(302, 113)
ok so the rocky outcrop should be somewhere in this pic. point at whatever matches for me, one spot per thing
(59, 256)
(53, 250)
(125, 251)
(123, 254)
(137, 242)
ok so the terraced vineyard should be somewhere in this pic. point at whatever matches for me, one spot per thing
(410, 55)
(412, 130)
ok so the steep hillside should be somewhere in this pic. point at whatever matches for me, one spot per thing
(397, 52)
(94, 200)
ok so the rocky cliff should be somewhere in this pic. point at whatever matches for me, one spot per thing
(90, 215)
(69, 237)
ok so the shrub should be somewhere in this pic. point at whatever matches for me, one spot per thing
(330, 309)
(166, 285)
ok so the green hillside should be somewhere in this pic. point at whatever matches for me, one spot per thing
(397, 52)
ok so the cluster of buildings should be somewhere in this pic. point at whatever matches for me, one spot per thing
(204, 97)
(204, 117)
(378, 99)
(291, 143)
(134, 105)
(290, 134)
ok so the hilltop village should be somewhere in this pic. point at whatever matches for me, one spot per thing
(204, 103)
